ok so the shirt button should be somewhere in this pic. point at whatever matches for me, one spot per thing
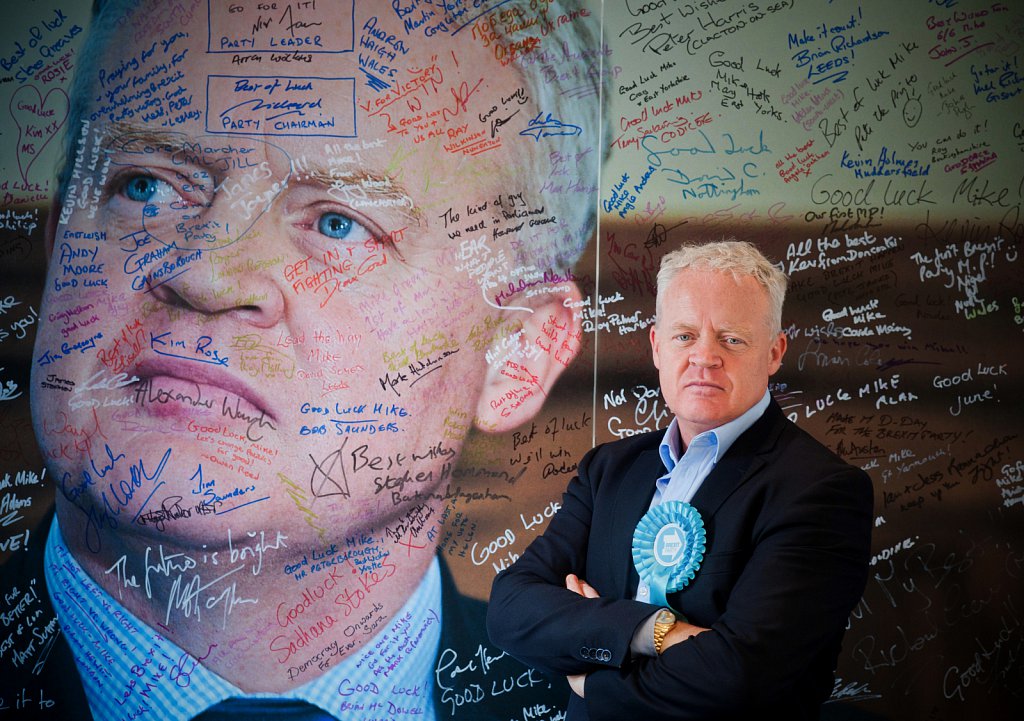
(644, 591)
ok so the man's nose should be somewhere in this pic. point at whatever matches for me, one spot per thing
(705, 353)
(223, 281)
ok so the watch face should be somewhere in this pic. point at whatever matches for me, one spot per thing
(665, 616)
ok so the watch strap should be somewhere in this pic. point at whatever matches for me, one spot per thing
(663, 623)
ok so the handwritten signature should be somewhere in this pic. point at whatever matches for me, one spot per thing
(545, 126)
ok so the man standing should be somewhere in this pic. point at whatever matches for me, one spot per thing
(722, 557)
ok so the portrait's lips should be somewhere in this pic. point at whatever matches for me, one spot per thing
(177, 384)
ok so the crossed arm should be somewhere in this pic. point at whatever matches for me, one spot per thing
(677, 634)
(764, 636)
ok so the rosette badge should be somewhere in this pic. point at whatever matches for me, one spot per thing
(668, 547)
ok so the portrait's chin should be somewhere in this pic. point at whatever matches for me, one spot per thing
(172, 520)
(152, 474)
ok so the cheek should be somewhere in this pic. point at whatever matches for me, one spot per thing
(680, 360)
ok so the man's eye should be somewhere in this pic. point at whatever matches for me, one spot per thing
(733, 341)
(335, 225)
(684, 337)
(146, 189)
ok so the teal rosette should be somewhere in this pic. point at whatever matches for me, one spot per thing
(668, 547)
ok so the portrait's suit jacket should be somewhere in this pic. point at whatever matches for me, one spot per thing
(462, 686)
(788, 541)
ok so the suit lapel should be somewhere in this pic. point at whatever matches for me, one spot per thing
(744, 458)
(632, 500)
(633, 495)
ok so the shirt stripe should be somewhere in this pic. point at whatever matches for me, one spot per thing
(686, 470)
(129, 670)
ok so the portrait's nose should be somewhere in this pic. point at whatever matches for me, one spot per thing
(229, 279)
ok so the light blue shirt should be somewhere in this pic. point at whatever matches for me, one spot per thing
(130, 670)
(685, 470)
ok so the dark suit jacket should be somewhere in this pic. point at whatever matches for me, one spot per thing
(788, 541)
(464, 688)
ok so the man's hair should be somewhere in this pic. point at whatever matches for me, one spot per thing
(738, 258)
(581, 100)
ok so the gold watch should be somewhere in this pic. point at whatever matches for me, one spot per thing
(663, 623)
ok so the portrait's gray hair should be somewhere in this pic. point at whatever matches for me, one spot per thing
(578, 102)
(738, 258)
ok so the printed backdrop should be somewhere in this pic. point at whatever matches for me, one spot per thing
(408, 252)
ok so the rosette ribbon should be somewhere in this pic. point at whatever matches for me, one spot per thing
(668, 547)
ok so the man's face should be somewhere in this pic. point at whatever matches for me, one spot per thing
(713, 348)
(270, 326)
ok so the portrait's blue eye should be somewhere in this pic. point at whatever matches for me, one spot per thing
(145, 188)
(334, 225)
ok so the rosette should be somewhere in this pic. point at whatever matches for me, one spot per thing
(668, 547)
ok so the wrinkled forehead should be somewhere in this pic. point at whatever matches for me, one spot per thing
(739, 291)
(368, 41)
(301, 76)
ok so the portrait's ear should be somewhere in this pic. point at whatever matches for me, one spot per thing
(527, 365)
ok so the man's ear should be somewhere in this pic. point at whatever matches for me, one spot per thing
(50, 230)
(776, 352)
(524, 370)
(655, 345)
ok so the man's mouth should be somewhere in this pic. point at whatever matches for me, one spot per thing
(703, 386)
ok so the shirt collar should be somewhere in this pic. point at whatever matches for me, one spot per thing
(719, 439)
(128, 668)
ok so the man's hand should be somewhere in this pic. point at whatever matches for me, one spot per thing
(680, 632)
(577, 682)
(577, 585)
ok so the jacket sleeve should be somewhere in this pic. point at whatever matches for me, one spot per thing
(786, 613)
(536, 619)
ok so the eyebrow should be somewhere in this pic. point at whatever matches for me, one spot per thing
(369, 189)
(734, 330)
(120, 136)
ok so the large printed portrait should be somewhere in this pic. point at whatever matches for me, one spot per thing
(298, 253)
(309, 309)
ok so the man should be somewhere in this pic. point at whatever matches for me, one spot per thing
(286, 240)
(783, 525)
